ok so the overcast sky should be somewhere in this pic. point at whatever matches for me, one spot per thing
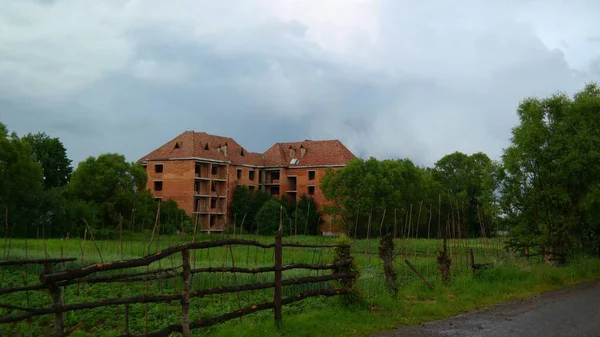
(389, 78)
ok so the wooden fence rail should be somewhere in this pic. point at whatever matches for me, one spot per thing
(56, 282)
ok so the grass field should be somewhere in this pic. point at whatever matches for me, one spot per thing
(510, 277)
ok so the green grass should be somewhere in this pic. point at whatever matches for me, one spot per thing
(511, 277)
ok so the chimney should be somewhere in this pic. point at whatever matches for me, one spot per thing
(302, 151)
(292, 152)
(225, 149)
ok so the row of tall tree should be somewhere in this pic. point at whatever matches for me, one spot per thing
(544, 192)
(378, 196)
(41, 193)
(260, 213)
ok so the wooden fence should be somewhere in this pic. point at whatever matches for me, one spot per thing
(56, 282)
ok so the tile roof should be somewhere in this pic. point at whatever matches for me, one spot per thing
(202, 145)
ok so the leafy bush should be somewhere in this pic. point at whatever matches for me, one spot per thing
(269, 216)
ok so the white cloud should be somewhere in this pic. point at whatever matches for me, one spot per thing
(51, 50)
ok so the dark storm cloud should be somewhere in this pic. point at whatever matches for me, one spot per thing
(412, 80)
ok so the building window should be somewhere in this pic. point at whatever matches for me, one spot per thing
(215, 169)
(158, 168)
(311, 175)
(158, 185)
(251, 175)
(213, 203)
(311, 190)
(239, 173)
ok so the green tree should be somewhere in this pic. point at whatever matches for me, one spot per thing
(305, 216)
(173, 218)
(52, 156)
(552, 169)
(20, 181)
(469, 183)
(109, 183)
(241, 206)
(375, 189)
(269, 216)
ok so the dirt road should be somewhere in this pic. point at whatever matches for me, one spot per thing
(572, 312)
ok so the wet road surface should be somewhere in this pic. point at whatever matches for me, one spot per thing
(572, 312)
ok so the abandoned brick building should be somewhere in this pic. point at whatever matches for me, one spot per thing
(200, 172)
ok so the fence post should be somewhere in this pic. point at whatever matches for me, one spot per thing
(277, 290)
(185, 296)
(55, 294)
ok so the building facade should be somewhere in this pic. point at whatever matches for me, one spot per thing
(200, 172)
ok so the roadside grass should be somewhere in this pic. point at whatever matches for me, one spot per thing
(510, 277)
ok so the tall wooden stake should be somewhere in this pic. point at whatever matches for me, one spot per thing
(185, 294)
(55, 294)
(278, 263)
(395, 225)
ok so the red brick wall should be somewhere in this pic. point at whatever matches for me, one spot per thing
(178, 182)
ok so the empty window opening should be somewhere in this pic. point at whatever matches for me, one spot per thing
(311, 190)
(158, 168)
(215, 169)
(158, 185)
(242, 152)
(206, 147)
(275, 190)
(275, 175)
(239, 173)
(213, 187)
(251, 175)
(311, 175)
(252, 188)
(177, 145)
(213, 203)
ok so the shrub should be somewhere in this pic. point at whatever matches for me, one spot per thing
(269, 216)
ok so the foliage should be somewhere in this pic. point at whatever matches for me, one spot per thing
(401, 190)
(241, 206)
(369, 187)
(472, 181)
(305, 215)
(20, 180)
(550, 196)
(343, 253)
(52, 156)
(270, 216)
(110, 184)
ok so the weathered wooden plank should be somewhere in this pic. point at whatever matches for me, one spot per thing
(144, 261)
